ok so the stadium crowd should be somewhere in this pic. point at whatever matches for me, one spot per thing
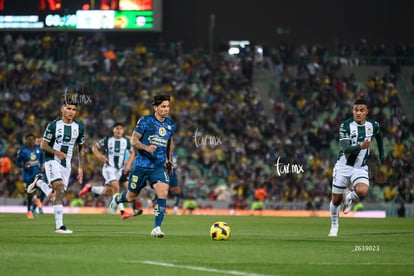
(227, 144)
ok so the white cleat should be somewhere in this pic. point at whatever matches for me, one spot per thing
(33, 186)
(347, 204)
(157, 233)
(334, 231)
(113, 206)
(63, 230)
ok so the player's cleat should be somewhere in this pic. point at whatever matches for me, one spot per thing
(63, 230)
(175, 210)
(157, 233)
(29, 215)
(137, 212)
(334, 231)
(126, 215)
(347, 204)
(114, 204)
(85, 189)
(33, 186)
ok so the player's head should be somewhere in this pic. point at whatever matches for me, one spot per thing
(161, 105)
(360, 111)
(30, 139)
(118, 130)
(69, 105)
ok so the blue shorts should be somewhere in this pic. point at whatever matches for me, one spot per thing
(139, 176)
(174, 179)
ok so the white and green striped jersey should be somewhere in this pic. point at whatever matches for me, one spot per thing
(63, 137)
(351, 135)
(114, 149)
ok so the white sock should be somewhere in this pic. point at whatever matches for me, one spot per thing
(121, 206)
(98, 190)
(44, 187)
(353, 196)
(334, 213)
(58, 210)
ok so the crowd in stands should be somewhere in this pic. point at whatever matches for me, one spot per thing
(227, 144)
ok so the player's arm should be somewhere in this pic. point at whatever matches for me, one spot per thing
(169, 153)
(19, 159)
(136, 143)
(48, 149)
(96, 149)
(81, 162)
(128, 162)
(380, 145)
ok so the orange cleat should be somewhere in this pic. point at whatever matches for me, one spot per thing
(29, 215)
(126, 215)
(85, 189)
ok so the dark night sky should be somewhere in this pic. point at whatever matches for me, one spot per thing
(322, 21)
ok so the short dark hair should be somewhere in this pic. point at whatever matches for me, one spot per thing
(70, 99)
(118, 124)
(361, 101)
(29, 135)
(160, 98)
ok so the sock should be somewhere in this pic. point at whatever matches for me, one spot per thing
(177, 200)
(29, 202)
(334, 213)
(159, 211)
(122, 197)
(98, 190)
(121, 208)
(353, 196)
(44, 187)
(58, 211)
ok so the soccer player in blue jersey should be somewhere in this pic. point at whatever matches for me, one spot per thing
(153, 139)
(355, 136)
(59, 141)
(30, 159)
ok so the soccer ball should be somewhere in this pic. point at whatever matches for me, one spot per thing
(220, 231)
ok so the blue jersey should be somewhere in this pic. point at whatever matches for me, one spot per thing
(31, 161)
(156, 133)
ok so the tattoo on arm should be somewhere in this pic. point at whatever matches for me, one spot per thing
(136, 141)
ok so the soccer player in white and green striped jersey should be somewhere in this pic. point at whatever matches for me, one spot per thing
(59, 141)
(355, 136)
(111, 151)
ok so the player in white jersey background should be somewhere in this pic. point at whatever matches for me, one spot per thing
(111, 151)
(355, 138)
(59, 141)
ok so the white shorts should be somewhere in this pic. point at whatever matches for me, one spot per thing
(344, 174)
(55, 171)
(111, 174)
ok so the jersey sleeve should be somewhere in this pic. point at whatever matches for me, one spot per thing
(49, 133)
(101, 144)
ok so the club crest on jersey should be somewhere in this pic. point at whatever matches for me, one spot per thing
(74, 132)
(369, 131)
(162, 131)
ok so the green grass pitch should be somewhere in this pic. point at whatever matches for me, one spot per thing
(106, 245)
